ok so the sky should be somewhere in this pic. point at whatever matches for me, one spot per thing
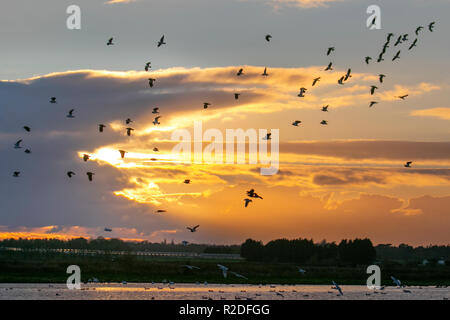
(342, 180)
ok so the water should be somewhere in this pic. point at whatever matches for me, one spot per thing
(183, 291)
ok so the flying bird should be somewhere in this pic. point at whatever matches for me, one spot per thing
(347, 75)
(53, 100)
(390, 35)
(110, 42)
(325, 108)
(101, 127)
(155, 149)
(206, 105)
(414, 44)
(161, 41)
(268, 37)
(193, 229)
(431, 26)
(324, 122)
(372, 103)
(405, 37)
(408, 164)
(122, 153)
(418, 29)
(399, 41)
(160, 211)
(224, 270)
(129, 131)
(380, 57)
(86, 157)
(396, 281)
(251, 193)
(372, 89)
(302, 271)
(367, 59)
(302, 92)
(70, 174)
(156, 120)
(240, 72)
(70, 114)
(340, 81)
(268, 136)
(236, 96)
(247, 201)
(16, 174)
(150, 82)
(17, 144)
(27, 129)
(90, 175)
(336, 287)
(402, 97)
(155, 110)
(265, 72)
(187, 181)
(107, 230)
(147, 66)
(296, 123)
(27, 151)
(315, 81)
(381, 76)
(329, 66)
(397, 56)
(330, 49)
(128, 121)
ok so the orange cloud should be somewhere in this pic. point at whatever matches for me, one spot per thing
(441, 113)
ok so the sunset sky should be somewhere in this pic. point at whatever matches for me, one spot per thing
(343, 180)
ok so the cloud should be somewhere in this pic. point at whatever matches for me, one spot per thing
(441, 113)
(119, 1)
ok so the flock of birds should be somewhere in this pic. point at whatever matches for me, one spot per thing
(251, 194)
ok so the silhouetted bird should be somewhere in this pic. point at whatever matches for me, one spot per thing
(53, 100)
(128, 121)
(367, 59)
(160, 211)
(402, 97)
(206, 105)
(431, 26)
(380, 57)
(193, 229)
(155, 149)
(324, 122)
(268, 136)
(70, 174)
(340, 81)
(399, 41)
(90, 175)
(240, 72)
(418, 29)
(155, 110)
(330, 49)
(187, 181)
(17, 144)
(101, 127)
(107, 230)
(151, 81)
(390, 35)
(129, 131)
(414, 44)
(381, 76)
(372, 89)
(347, 75)
(329, 67)
(236, 96)
(16, 174)
(296, 123)
(315, 81)
(156, 120)
(122, 153)
(147, 66)
(27, 129)
(405, 37)
(27, 151)
(161, 41)
(325, 108)
(372, 103)
(302, 92)
(397, 56)
(70, 114)
(268, 37)
(265, 72)
(110, 42)
(408, 164)
(247, 201)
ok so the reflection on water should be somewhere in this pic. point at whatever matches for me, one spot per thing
(159, 291)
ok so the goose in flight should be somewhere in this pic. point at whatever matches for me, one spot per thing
(86, 157)
(408, 164)
(70, 174)
(418, 29)
(151, 81)
(107, 230)
(329, 67)
(336, 287)
(330, 49)
(302, 92)
(414, 44)
(247, 201)
(268, 136)
(16, 174)
(302, 271)
(367, 59)
(390, 35)
(160, 211)
(191, 267)
(155, 110)
(268, 37)
(236, 96)
(70, 114)
(155, 149)
(347, 75)
(184, 242)
(265, 74)
(27, 151)
(340, 81)
(403, 97)
(325, 108)
(399, 41)
(224, 270)
(397, 56)
(193, 229)
(405, 37)
(206, 105)
(372, 89)
(396, 281)
(90, 175)
(147, 66)
(17, 144)
(156, 121)
(315, 81)
(129, 131)
(187, 181)
(296, 123)
(380, 77)
(161, 41)
(252, 194)
(110, 42)
(128, 121)
(431, 26)
(240, 72)
(372, 103)
(53, 100)
(122, 153)
(101, 127)
(380, 57)
(27, 129)
(324, 122)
